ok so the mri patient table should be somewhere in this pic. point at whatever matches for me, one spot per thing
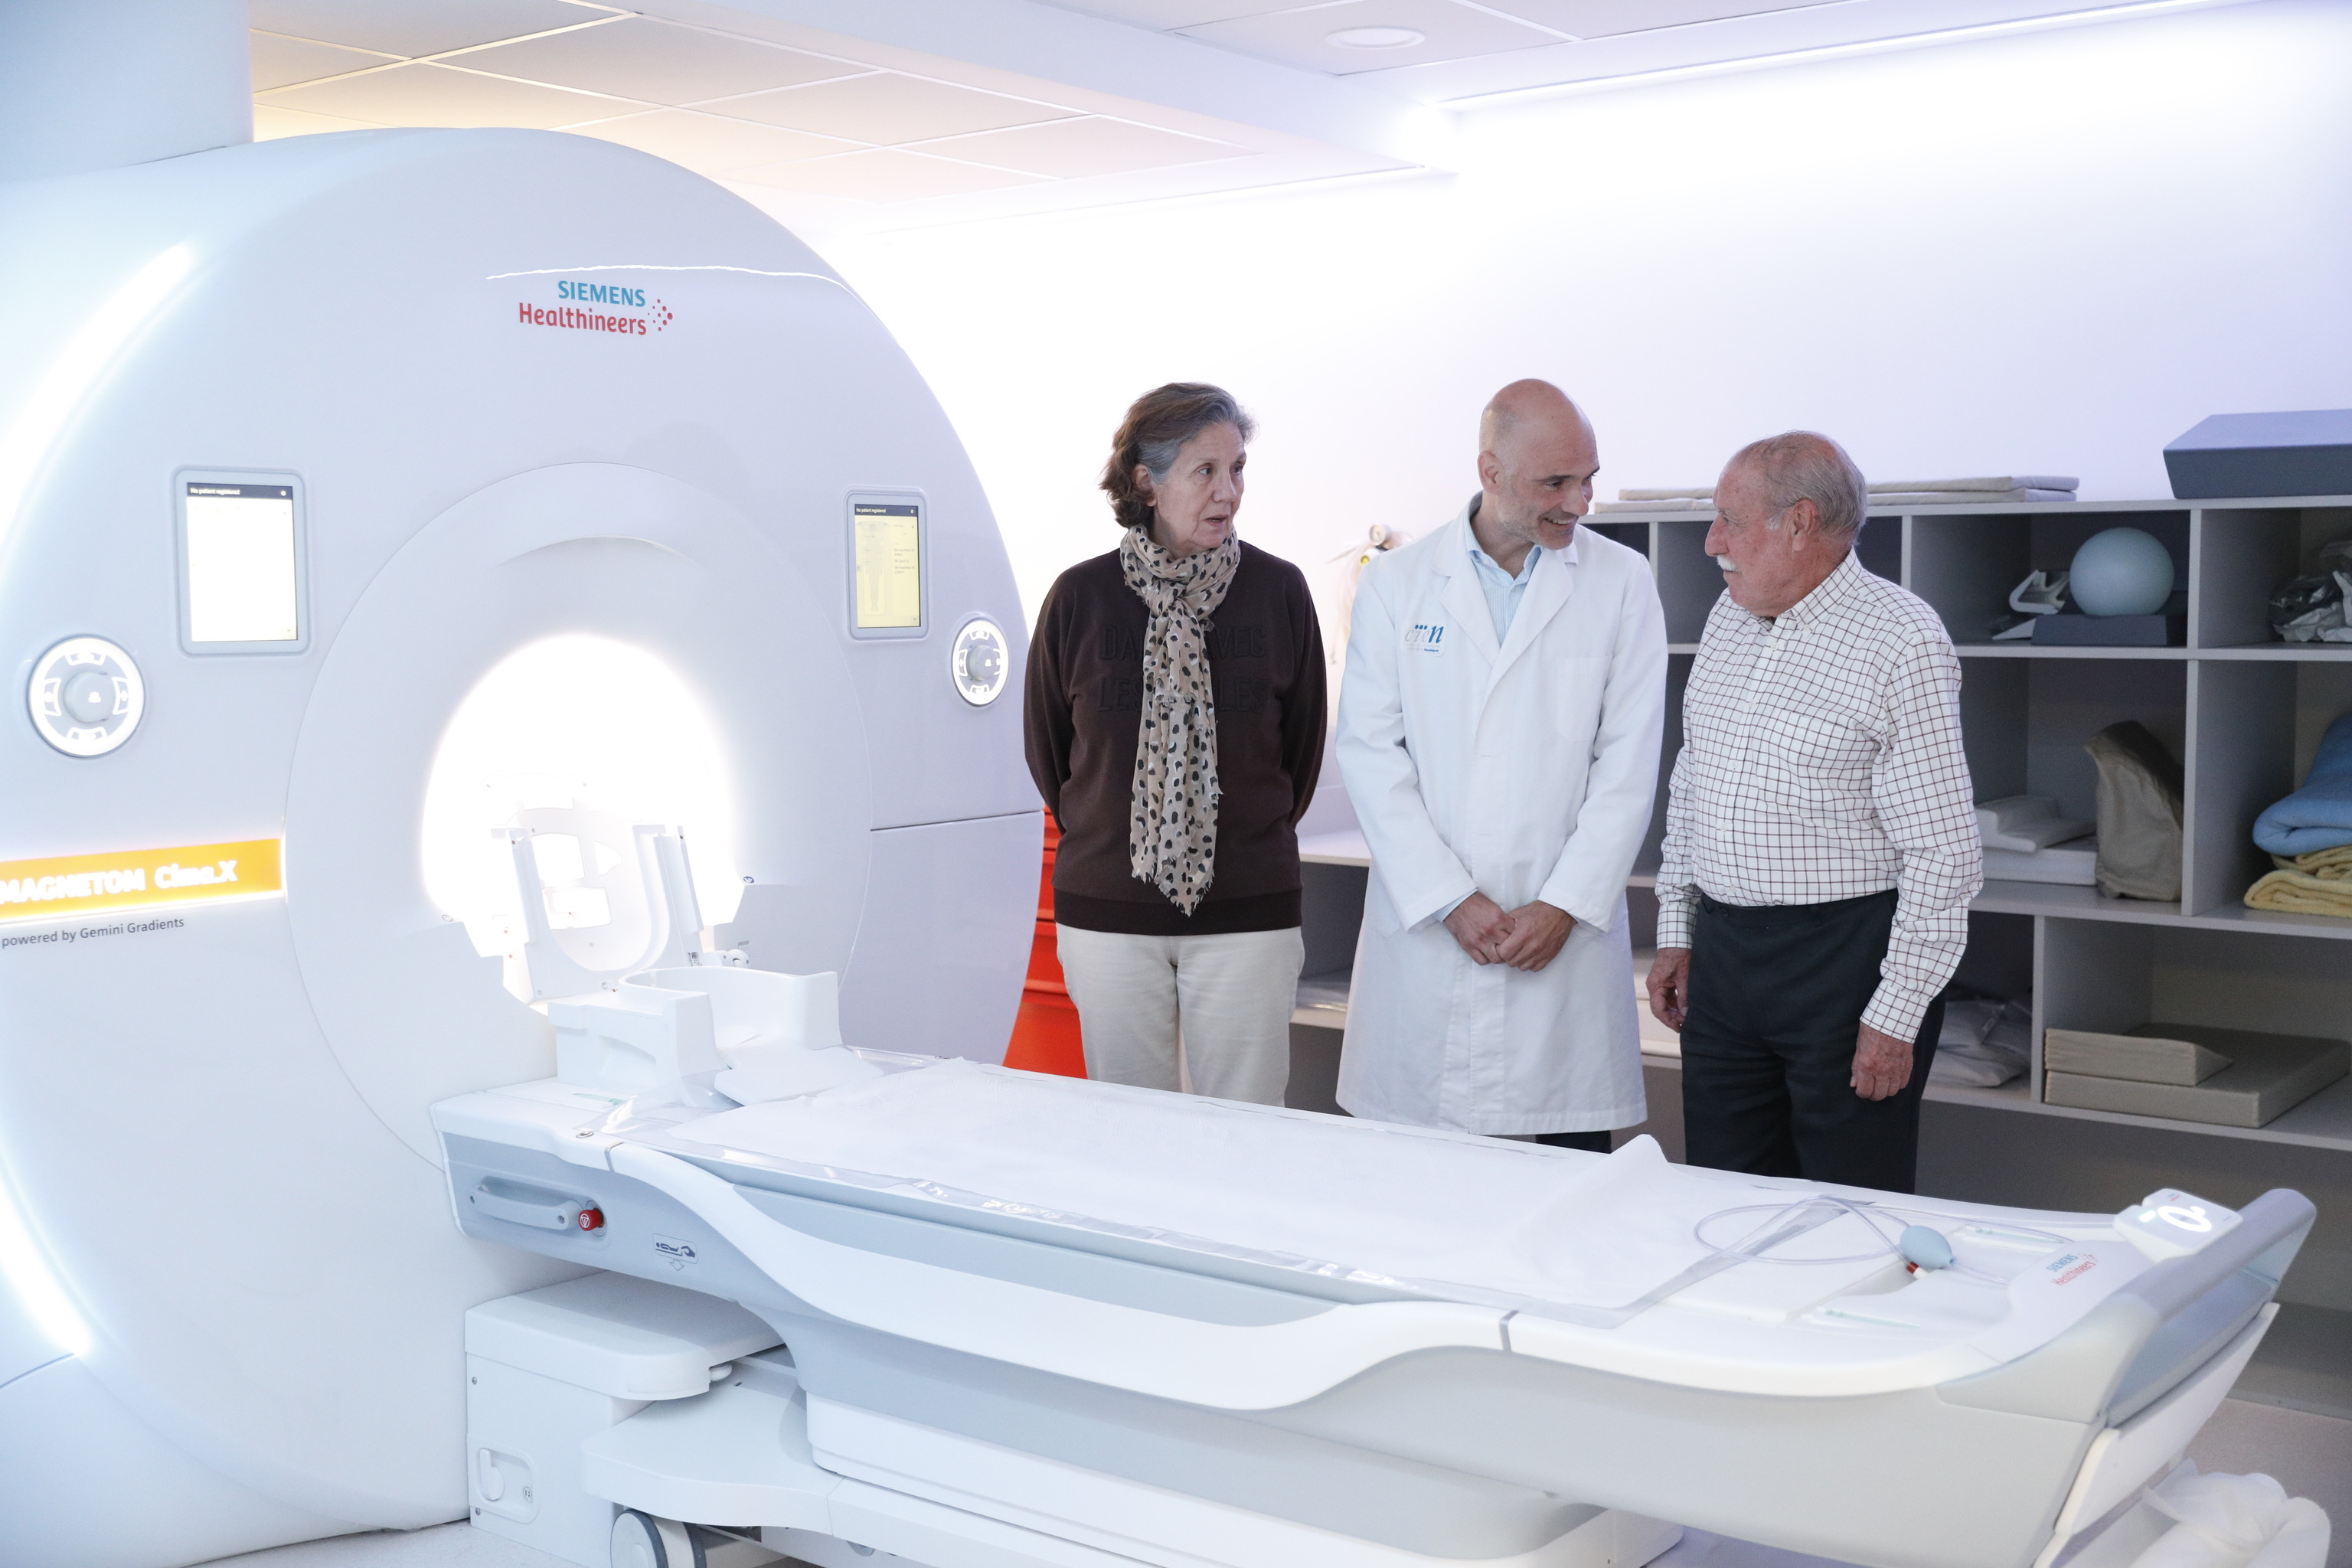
(973, 1367)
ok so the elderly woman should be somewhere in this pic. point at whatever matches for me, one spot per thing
(1175, 727)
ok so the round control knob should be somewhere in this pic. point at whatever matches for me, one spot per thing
(85, 696)
(981, 662)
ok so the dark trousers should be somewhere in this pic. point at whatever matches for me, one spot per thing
(1776, 1001)
(1590, 1142)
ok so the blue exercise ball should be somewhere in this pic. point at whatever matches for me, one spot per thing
(2121, 571)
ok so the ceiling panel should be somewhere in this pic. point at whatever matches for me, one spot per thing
(996, 117)
(1075, 149)
(1607, 18)
(438, 95)
(269, 123)
(659, 62)
(412, 27)
(883, 175)
(281, 62)
(1165, 16)
(1421, 30)
(709, 143)
(888, 109)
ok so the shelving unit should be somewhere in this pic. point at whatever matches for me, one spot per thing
(2243, 711)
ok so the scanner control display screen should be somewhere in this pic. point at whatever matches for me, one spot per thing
(241, 570)
(889, 536)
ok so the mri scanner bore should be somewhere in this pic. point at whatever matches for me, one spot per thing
(571, 764)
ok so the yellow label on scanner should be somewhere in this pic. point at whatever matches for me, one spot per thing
(79, 884)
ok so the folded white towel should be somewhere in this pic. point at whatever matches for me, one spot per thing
(1886, 501)
(2008, 482)
(1889, 493)
(2026, 822)
(2074, 863)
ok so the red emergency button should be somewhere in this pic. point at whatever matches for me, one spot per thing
(592, 1219)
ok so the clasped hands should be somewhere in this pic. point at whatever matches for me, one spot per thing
(1882, 1064)
(1525, 938)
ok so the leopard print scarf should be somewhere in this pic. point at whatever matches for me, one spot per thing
(1171, 826)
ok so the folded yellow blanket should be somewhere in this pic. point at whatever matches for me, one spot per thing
(2331, 865)
(2319, 883)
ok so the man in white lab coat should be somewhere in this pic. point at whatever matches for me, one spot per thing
(1498, 734)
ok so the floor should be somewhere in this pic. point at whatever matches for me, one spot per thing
(2310, 1455)
(456, 1545)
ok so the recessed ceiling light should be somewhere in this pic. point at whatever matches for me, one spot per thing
(1378, 38)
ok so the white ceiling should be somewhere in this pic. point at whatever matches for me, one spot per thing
(1348, 37)
(1449, 51)
(739, 107)
(865, 111)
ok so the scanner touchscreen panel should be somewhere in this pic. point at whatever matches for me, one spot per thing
(242, 581)
(887, 547)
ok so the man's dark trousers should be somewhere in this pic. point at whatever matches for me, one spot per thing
(1776, 1000)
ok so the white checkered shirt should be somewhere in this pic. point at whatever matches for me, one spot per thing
(1822, 760)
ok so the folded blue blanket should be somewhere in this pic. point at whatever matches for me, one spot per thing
(2320, 815)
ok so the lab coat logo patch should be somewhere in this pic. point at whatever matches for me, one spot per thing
(1426, 635)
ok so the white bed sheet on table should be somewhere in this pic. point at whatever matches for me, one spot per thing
(1355, 1197)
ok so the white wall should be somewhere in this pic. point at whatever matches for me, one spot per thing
(2047, 253)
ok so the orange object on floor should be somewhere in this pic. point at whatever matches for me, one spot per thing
(1045, 1036)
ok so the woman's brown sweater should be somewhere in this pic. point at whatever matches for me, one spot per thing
(1084, 706)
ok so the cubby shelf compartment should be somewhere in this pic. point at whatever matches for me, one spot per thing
(2075, 903)
(2323, 1122)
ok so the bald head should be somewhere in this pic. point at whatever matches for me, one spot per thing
(1537, 456)
(1528, 403)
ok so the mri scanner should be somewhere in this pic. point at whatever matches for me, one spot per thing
(519, 870)
(357, 493)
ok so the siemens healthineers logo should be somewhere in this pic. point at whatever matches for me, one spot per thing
(599, 308)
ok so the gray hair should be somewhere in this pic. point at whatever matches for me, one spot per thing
(1803, 465)
(1156, 427)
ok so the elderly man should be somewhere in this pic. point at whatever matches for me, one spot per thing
(1820, 841)
(1498, 734)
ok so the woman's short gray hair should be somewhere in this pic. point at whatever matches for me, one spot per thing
(1803, 465)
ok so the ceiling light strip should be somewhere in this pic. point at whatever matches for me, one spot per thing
(2133, 9)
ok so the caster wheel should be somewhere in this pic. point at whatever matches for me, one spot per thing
(641, 1541)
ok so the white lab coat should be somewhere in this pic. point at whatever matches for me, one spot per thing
(1525, 771)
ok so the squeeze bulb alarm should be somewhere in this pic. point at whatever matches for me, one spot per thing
(1923, 1246)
